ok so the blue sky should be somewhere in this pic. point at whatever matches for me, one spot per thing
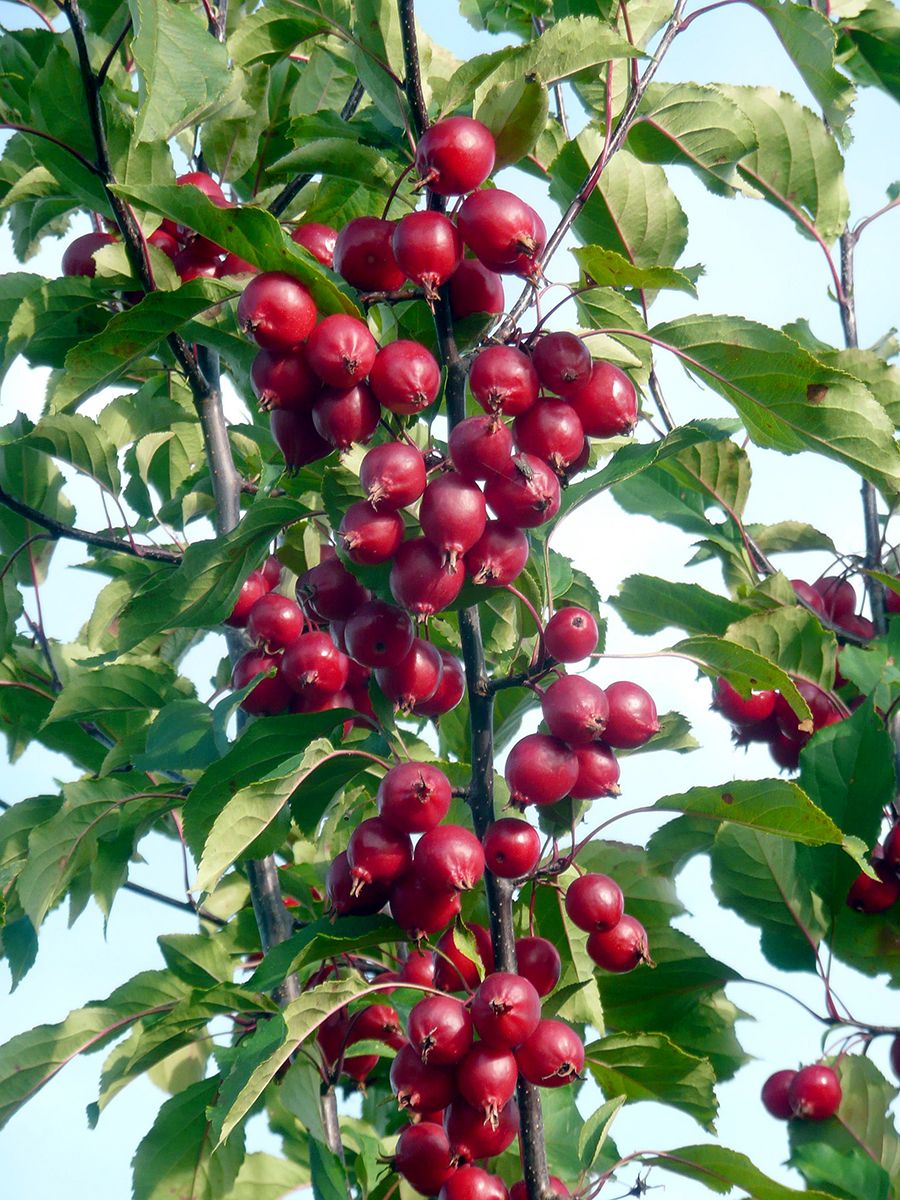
(755, 265)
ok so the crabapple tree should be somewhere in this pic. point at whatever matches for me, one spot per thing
(337, 389)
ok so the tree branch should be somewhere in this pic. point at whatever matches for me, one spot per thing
(613, 142)
(113, 51)
(287, 193)
(104, 541)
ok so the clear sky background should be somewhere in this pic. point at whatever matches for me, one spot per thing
(756, 266)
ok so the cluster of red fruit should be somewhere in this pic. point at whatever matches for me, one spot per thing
(868, 895)
(810, 1094)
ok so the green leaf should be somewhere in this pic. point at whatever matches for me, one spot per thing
(265, 1177)
(202, 590)
(329, 1180)
(792, 638)
(789, 536)
(183, 71)
(650, 1067)
(632, 211)
(130, 335)
(252, 234)
(744, 669)
(796, 164)
(262, 1054)
(230, 141)
(310, 779)
(608, 268)
(721, 1169)
(858, 1154)
(342, 158)
(321, 939)
(759, 876)
(647, 605)
(176, 1157)
(869, 42)
(696, 126)
(516, 114)
(82, 443)
(809, 38)
(114, 688)
(576, 997)
(53, 318)
(595, 1131)
(788, 400)
(10, 610)
(274, 30)
(180, 738)
(200, 960)
(765, 805)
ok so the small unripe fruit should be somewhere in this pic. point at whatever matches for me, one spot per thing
(502, 379)
(405, 377)
(552, 1056)
(277, 311)
(815, 1093)
(393, 476)
(594, 902)
(540, 770)
(571, 634)
(774, 1095)
(455, 156)
(562, 362)
(506, 1010)
(512, 848)
(632, 717)
(364, 255)
(606, 403)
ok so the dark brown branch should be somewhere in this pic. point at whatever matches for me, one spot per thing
(103, 541)
(48, 137)
(613, 142)
(114, 50)
(172, 902)
(288, 193)
(412, 83)
(871, 524)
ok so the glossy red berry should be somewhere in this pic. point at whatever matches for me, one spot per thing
(418, 968)
(895, 1057)
(206, 184)
(471, 1137)
(527, 496)
(422, 1157)
(620, 949)
(364, 255)
(378, 853)
(538, 961)
(455, 156)
(499, 556)
(370, 537)
(505, 1010)
(504, 232)
(450, 856)
(562, 362)
(454, 971)
(414, 797)
(318, 239)
(420, 1086)
(502, 379)
(785, 751)
(314, 668)
(475, 289)
(405, 377)
(271, 570)
(343, 900)
(858, 627)
(78, 256)
(815, 1093)
(379, 634)
(452, 515)
(421, 581)
(283, 381)
(480, 447)
(571, 634)
(575, 710)
(473, 1183)
(164, 241)
(253, 587)
(377, 1022)
(806, 592)
(607, 403)
(195, 262)
(277, 311)
(552, 1056)
(428, 249)
(297, 438)
(512, 848)
(838, 596)
(333, 1038)
(345, 417)
(440, 1030)
(774, 1095)
(231, 264)
(330, 592)
(393, 476)
(598, 772)
(632, 719)
(551, 430)
(274, 622)
(450, 690)
(271, 695)
(868, 895)
(414, 679)
(821, 706)
(540, 770)
(487, 1078)
(341, 350)
(594, 902)
(740, 710)
(420, 911)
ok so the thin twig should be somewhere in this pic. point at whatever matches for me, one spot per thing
(867, 221)
(299, 182)
(48, 137)
(114, 50)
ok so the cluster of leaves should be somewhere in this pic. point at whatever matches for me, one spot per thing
(259, 109)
